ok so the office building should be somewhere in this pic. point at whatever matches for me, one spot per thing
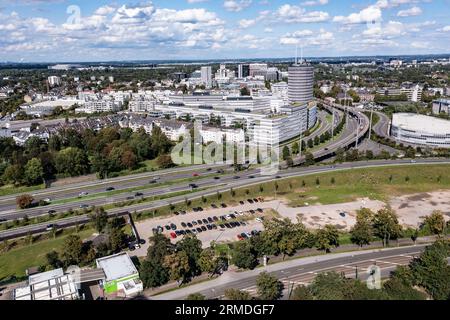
(54, 81)
(206, 76)
(301, 83)
(441, 106)
(243, 71)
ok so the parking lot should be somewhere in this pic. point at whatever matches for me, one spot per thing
(219, 224)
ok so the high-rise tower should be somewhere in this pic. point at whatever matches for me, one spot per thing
(301, 83)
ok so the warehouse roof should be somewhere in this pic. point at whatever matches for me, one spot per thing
(117, 266)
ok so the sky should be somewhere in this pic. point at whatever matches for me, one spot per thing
(86, 30)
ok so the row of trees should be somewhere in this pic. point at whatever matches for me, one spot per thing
(425, 277)
(180, 262)
(72, 153)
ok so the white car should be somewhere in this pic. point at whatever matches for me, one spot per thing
(48, 200)
(249, 234)
(228, 217)
(82, 194)
(259, 219)
(240, 213)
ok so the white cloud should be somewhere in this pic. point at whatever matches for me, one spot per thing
(294, 14)
(367, 15)
(413, 11)
(196, 1)
(236, 5)
(314, 3)
(308, 38)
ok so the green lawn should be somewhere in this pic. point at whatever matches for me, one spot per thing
(10, 189)
(15, 261)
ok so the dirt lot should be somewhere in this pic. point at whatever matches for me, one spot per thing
(410, 209)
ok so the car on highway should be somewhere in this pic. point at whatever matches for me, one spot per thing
(110, 189)
(216, 178)
(195, 174)
(82, 194)
(193, 186)
(138, 194)
(84, 206)
(220, 171)
(251, 177)
(236, 177)
(51, 211)
(51, 227)
(130, 198)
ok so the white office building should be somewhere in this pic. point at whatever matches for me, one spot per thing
(206, 76)
(421, 130)
(301, 83)
(54, 81)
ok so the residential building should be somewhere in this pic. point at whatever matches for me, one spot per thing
(441, 106)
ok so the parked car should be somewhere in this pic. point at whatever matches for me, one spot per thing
(183, 224)
(259, 219)
(210, 220)
(223, 205)
(138, 194)
(215, 218)
(242, 202)
(205, 221)
(190, 225)
(203, 228)
(167, 227)
(213, 206)
(110, 189)
(173, 226)
(173, 235)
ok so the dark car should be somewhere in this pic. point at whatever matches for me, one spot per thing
(223, 205)
(251, 177)
(51, 211)
(243, 235)
(205, 221)
(200, 209)
(237, 224)
(252, 211)
(210, 220)
(199, 230)
(204, 228)
(236, 177)
(232, 216)
(183, 212)
(173, 226)
(260, 210)
(255, 200)
(228, 225)
(214, 226)
(178, 233)
(183, 224)
(182, 232)
(167, 227)
(215, 218)
(193, 186)
(200, 222)
(130, 198)
(209, 227)
(138, 194)
(250, 201)
(160, 229)
(216, 178)
(278, 177)
(195, 209)
(220, 171)
(221, 226)
(110, 189)
(194, 223)
(189, 225)
(213, 206)
(241, 202)
(188, 231)
(223, 218)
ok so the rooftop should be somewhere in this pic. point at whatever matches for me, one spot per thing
(117, 266)
(421, 123)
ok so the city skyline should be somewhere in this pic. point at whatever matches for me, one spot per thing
(45, 31)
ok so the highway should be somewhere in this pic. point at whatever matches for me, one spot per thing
(381, 128)
(302, 271)
(224, 184)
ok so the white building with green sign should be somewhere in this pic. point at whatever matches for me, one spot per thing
(121, 275)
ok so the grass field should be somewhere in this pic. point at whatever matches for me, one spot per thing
(10, 189)
(15, 261)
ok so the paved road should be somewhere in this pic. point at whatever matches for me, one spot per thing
(226, 184)
(302, 271)
(381, 128)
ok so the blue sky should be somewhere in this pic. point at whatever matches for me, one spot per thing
(59, 30)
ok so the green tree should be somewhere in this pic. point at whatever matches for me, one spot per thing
(72, 250)
(244, 256)
(193, 249)
(268, 286)
(207, 261)
(53, 259)
(117, 239)
(431, 270)
(235, 294)
(178, 265)
(195, 296)
(386, 226)
(99, 218)
(152, 271)
(164, 161)
(327, 238)
(72, 162)
(34, 172)
(435, 222)
(309, 159)
(286, 153)
(301, 293)
(361, 232)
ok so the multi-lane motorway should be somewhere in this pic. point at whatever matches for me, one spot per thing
(302, 271)
(211, 186)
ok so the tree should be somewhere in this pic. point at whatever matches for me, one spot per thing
(309, 158)
(286, 153)
(117, 239)
(243, 255)
(361, 232)
(245, 91)
(235, 294)
(53, 259)
(152, 271)
(435, 222)
(33, 172)
(310, 143)
(24, 201)
(13, 174)
(386, 225)
(72, 250)
(296, 148)
(164, 161)
(268, 286)
(431, 270)
(327, 238)
(193, 249)
(178, 265)
(72, 162)
(99, 218)
(195, 296)
(301, 293)
(207, 261)
(398, 290)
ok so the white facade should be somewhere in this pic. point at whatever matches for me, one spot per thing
(441, 106)
(54, 81)
(206, 76)
(421, 130)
